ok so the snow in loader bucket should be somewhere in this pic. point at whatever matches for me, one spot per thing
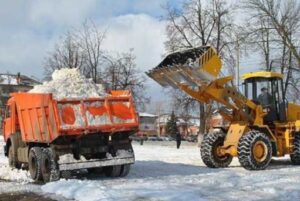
(191, 67)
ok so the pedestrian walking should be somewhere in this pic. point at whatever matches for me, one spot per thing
(178, 140)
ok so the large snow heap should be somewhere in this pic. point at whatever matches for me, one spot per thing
(69, 83)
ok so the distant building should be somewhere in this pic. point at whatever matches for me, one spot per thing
(14, 83)
(147, 124)
(217, 120)
(194, 124)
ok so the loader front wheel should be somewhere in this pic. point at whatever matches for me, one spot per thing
(254, 150)
(210, 151)
(49, 166)
(295, 155)
(34, 160)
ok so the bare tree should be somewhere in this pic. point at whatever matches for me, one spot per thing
(200, 23)
(278, 37)
(66, 54)
(122, 73)
(284, 16)
(91, 39)
(78, 49)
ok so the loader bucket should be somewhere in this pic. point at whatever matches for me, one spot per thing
(201, 64)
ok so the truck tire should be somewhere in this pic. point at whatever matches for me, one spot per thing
(12, 162)
(13, 152)
(112, 171)
(254, 150)
(98, 170)
(209, 151)
(34, 162)
(295, 155)
(125, 169)
(49, 166)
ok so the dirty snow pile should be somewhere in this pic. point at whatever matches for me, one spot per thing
(69, 83)
(7, 173)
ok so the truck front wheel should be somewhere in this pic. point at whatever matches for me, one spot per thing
(12, 162)
(34, 161)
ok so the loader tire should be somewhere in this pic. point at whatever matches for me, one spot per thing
(254, 150)
(112, 171)
(34, 163)
(295, 155)
(49, 166)
(125, 169)
(209, 151)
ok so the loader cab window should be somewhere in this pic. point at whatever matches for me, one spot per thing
(268, 93)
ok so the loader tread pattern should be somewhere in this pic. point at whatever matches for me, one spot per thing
(295, 155)
(207, 151)
(245, 152)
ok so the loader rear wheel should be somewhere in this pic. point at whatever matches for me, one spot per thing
(34, 160)
(254, 150)
(112, 171)
(49, 166)
(125, 169)
(210, 151)
(295, 155)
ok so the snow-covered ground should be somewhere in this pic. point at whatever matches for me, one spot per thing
(162, 172)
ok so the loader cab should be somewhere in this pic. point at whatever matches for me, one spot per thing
(266, 89)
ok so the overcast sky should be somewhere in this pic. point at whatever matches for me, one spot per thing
(30, 28)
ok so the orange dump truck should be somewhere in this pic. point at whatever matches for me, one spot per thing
(52, 137)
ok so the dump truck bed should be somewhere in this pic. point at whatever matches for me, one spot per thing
(43, 119)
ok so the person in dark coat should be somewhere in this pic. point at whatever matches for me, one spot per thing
(178, 140)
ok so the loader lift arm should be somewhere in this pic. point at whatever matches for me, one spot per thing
(195, 72)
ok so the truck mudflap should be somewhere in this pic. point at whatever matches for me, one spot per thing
(94, 163)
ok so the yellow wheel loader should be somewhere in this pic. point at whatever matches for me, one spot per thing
(262, 123)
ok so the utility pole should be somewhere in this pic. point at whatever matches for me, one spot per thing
(237, 62)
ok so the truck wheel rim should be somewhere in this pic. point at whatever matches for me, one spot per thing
(260, 151)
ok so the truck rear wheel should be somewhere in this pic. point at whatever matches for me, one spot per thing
(49, 166)
(210, 151)
(295, 155)
(34, 160)
(112, 171)
(125, 169)
(254, 150)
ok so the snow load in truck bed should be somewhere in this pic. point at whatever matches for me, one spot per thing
(70, 84)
